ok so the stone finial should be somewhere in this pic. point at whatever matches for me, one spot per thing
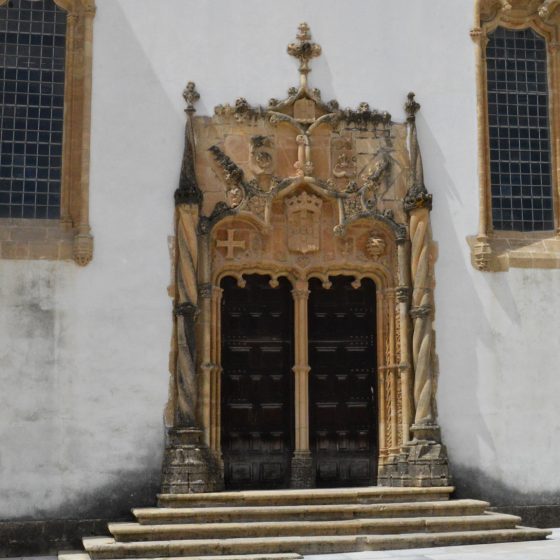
(411, 107)
(189, 191)
(304, 33)
(191, 96)
(304, 50)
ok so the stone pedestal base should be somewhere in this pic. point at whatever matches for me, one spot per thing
(427, 464)
(421, 462)
(426, 433)
(189, 466)
(303, 473)
(393, 472)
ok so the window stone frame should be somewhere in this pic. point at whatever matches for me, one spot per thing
(495, 250)
(69, 237)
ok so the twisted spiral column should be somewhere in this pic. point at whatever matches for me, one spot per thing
(422, 316)
(186, 308)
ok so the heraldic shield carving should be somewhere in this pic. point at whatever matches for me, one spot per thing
(307, 196)
(304, 222)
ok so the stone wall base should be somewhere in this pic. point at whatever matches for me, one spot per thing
(49, 536)
(189, 466)
(303, 471)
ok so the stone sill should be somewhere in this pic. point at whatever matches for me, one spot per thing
(500, 251)
(28, 239)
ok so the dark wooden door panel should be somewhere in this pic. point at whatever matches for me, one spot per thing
(257, 383)
(342, 357)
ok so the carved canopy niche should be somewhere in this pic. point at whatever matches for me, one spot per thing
(303, 189)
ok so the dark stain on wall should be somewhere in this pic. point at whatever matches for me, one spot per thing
(85, 515)
(537, 509)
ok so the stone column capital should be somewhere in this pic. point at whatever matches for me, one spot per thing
(301, 290)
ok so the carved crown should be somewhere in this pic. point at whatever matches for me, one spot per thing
(304, 201)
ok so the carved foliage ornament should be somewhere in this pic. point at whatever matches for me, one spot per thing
(490, 9)
(261, 154)
(360, 198)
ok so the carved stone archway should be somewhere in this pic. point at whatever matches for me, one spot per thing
(302, 189)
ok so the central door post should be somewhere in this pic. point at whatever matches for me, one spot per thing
(302, 475)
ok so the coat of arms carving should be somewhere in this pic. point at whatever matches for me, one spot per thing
(304, 222)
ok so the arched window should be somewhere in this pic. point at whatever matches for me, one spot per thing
(45, 84)
(517, 64)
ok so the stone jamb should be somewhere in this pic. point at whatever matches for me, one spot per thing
(69, 237)
(493, 250)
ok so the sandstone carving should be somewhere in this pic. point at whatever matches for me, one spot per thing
(375, 246)
(304, 222)
(300, 190)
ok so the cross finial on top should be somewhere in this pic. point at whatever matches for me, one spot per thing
(304, 33)
(304, 50)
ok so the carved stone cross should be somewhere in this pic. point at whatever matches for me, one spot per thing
(230, 244)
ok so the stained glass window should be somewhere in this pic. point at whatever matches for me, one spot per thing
(32, 62)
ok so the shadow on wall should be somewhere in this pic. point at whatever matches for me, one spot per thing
(459, 369)
(112, 479)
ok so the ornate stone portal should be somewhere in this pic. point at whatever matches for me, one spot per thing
(302, 189)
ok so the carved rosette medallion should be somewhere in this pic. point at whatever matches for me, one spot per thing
(375, 246)
(304, 222)
(262, 154)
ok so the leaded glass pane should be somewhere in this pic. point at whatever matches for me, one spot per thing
(32, 59)
(518, 114)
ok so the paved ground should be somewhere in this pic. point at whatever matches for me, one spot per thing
(536, 550)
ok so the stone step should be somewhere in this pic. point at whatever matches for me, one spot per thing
(363, 495)
(281, 556)
(152, 516)
(130, 532)
(107, 548)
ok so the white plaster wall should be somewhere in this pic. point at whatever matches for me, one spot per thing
(83, 352)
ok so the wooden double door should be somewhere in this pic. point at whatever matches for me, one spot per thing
(257, 330)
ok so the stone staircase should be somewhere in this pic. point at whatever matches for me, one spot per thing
(285, 524)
